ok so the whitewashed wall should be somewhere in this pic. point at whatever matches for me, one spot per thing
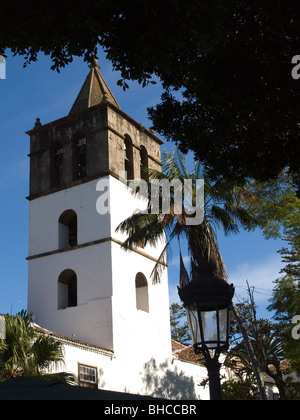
(158, 377)
(106, 313)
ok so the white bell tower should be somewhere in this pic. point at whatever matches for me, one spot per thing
(81, 282)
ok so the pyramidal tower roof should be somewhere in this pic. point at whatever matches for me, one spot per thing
(93, 91)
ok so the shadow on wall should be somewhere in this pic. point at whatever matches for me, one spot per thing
(101, 381)
(162, 382)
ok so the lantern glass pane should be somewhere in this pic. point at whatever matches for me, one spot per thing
(224, 325)
(210, 328)
(193, 323)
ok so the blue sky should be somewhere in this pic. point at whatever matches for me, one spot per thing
(37, 91)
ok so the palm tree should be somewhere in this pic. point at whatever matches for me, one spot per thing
(223, 207)
(24, 351)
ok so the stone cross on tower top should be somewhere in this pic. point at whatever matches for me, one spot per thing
(94, 64)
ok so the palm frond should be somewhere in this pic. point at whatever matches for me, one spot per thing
(161, 262)
(184, 277)
(221, 216)
(147, 228)
(154, 174)
(242, 216)
(160, 265)
(172, 167)
(45, 351)
(224, 207)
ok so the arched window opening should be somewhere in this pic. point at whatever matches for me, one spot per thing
(56, 164)
(128, 156)
(80, 155)
(67, 229)
(144, 163)
(67, 289)
(141, 288)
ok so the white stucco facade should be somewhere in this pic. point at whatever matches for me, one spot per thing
(160, 377)
(106, 314)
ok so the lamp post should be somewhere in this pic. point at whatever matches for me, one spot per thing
(207, 300)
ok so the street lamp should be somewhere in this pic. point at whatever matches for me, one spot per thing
(207, 301)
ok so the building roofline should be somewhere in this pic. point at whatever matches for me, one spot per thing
(74, 342)
(70, 117)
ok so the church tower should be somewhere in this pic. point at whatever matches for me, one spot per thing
(81, 283)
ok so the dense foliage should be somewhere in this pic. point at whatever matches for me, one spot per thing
(179, 327)
(232, 61)
(25, 352)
